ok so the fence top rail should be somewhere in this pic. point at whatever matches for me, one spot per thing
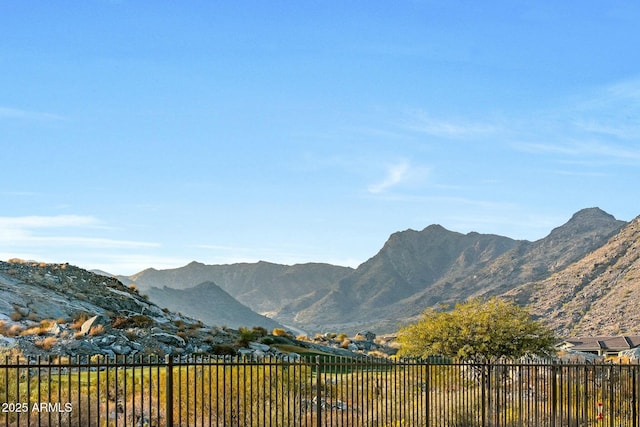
(98, 362)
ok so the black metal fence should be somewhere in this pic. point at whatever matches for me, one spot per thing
(314, 392)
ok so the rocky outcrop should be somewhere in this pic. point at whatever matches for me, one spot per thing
(596, 295)
(64, 310)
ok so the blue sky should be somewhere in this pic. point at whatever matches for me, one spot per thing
(141, 134)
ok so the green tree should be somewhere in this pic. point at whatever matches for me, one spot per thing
(477, 329)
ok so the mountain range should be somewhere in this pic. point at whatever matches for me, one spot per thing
(579, 279)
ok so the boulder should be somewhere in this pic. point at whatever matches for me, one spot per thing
(245, 352)
(82, 347)
(55, 329)
(259, 347)
(7, 342)
(121, 349)
(94, 321)
(366, 335)
(170, 339)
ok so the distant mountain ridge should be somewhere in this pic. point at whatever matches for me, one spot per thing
(263, 286)
(210, 304)
(409, 262)
(413, 270)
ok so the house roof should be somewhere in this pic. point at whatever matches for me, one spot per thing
(611, 343)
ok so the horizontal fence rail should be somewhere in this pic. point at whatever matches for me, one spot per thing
(314, 392)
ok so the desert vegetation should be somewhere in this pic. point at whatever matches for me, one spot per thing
(477, 330)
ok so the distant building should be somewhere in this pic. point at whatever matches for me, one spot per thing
(602, 346)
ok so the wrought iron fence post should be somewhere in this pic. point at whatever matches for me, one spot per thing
(554, 392)
(318, 392)
(427, 388)
(634, 394)
(485, 378)
(169, 390)
(611, 408)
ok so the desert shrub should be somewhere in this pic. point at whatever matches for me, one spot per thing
(14, 330)
(224, 349)
(260, 331)
(48, 323)
(268, 340)
(141, 321)
(196, 325)
(96, 330)
(120, 322)
(180, 324)
(135, 321)
(46, 343)
(279, 332)
(77, 323)
(245, 336)
(35, 330)
(131, 335)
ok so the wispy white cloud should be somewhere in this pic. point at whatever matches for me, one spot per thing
(8, 113)
(34, 221)
(395, 174)
(18, 193)
(624, 90)
(602, 150)
(24, 231)
(611, 111)
(422, 122)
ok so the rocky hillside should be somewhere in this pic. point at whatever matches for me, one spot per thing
(62, 309)
(596, 295)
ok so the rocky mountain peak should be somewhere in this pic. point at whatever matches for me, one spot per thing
(585, 220)
(597, 294)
